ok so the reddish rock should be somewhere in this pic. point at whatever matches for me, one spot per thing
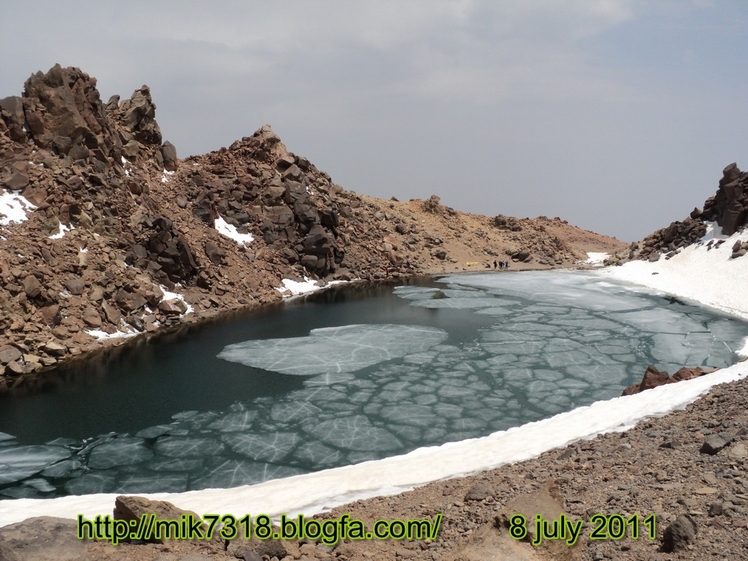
(9, 353)
(653, 378)
(32, 286)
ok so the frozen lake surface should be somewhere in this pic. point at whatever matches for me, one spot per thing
(349, 376)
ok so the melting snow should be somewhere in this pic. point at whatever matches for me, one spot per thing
(59, 235)
(295, 288)
(596, 258)
(13, 208)
(226, 229)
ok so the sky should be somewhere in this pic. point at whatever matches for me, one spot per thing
(616, 115)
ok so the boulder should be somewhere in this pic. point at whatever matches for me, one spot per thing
(133, 508)
(9, 353)
(138, 116)
(11, 110)
(169, 153)
(653, 378)
(318, 241)
(173, 307)
(679, 535)
(75, 286)
(51, 314)
(113, 315)
(129, 301)
(32, 287)
(19, 180)
(214, 253)
(91, 317)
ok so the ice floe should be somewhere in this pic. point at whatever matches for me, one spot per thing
(334, 349)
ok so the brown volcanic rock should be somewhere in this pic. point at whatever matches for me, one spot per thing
(729, 207)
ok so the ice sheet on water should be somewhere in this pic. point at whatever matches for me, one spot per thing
(20, 462)
(426, 399)
(238, 421)
(123, 451)
(526, 348)
(334, 349)
(460, 303)
(318, 454)
(40, 484)
(494, 311)
(561, 359)
(271, 447)
(598, 374)
(541, 387)
(574, 289)
(415, 292)
(354, 433)
(462, 293)
(144, 483)
(233, 473)
(293, 411)
(448, 410)
(62, 469)
(468, 423)
(175, 464)
(186, 447)
(408, 432)
(394, 396)
(448, 391)
(658, 320)
(91, 483)
(409, 414)
(21, 492)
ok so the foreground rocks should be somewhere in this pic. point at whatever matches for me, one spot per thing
(660, 467)
(120, 221)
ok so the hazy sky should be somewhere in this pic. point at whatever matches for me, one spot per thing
(617, 115)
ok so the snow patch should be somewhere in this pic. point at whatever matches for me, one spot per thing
(168, 295)
(102, 335)
(700, 273)
(596, 258)
(293, 288)
(226, 229)
(61, 234)
(166, 175)
(13, 208)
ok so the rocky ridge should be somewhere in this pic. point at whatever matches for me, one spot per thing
(126, 238)
(728, 208)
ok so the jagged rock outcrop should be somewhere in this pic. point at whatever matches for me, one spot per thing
(729, 206)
